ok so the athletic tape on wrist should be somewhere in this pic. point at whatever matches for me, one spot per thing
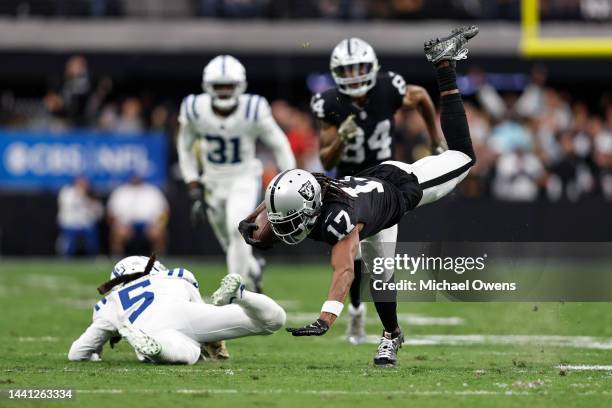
(332, 306)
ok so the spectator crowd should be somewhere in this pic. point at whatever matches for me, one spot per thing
(599, 10)
(534, 143)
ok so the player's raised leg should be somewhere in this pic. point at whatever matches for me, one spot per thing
(241, 313)
(438, 175)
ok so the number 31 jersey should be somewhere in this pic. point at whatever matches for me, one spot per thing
(227, 144)
(377, 198)
(373, 143)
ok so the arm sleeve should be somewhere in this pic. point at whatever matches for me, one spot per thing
(273, 137)
(91, 341)
(188, 162)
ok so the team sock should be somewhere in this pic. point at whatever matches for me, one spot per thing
(452, 114)
(355, 291)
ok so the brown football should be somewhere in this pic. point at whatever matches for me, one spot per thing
(264, 233)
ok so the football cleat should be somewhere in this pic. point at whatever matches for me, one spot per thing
(386, 356)
(142, 343)
(451, 48)
(231, 289)
(356, 333)
(215, 350)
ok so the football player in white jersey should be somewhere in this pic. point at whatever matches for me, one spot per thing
(227, 122)
(163, 317)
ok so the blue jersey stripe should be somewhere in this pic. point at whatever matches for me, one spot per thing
(193, 108)
(248, 109)
(186, 105)
(180, 273)
(257, 107)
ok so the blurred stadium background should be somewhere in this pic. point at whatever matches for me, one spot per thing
(92, 88)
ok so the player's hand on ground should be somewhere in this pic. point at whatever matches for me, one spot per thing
(318, 328)
(198, 205)
(348, 129)
(246, 229)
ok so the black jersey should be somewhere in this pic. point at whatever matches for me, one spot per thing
(374, 143)
(377, 198)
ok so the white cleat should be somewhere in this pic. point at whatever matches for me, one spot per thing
(142, 343)
(231, 289)
(356, 333)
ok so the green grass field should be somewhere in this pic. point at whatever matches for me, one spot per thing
(458, 354)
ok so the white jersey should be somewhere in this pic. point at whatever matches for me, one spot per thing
(151, 303)
(228, 143)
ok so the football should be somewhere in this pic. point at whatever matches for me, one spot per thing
(264, 231)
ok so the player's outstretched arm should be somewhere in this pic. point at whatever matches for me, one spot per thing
(88, 347)
(342, 257)
(418, 98)
(331, 145)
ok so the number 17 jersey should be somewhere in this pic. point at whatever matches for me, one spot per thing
(375, 121)
(377, 198)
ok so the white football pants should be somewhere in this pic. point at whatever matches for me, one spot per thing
(181, 328)
(438, 175)
(229, 202)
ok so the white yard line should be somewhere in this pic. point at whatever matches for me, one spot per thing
(585, 367)
(305, 392)
(37, 339)
(407, 318)
(586, 342)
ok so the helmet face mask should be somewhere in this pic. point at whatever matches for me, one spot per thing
(293, 202)
(224, 79)
(354, 67)
(294, 228)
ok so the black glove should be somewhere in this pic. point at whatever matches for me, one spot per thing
(198, 205)
(246, 229)
(318, 328)
(114, 340)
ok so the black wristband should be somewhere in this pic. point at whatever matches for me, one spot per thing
(447, 78)
(196, 193)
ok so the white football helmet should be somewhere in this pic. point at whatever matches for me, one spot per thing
(354, 66)
(134, 264)
(224, 79)
(293, 202)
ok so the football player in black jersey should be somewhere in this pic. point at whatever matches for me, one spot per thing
(344, 212)
(356, 121)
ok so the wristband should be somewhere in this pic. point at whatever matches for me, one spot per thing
(332, 306)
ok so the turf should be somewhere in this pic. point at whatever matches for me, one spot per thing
(45, 305)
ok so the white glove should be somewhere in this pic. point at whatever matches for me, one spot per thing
(348, 129)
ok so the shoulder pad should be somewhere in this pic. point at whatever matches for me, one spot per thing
(326, 106)
(189, 109)
(256, 107)
(182, 273)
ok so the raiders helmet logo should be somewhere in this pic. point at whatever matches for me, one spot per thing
(307, 191)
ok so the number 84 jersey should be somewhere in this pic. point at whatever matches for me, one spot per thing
(227, 144)
(373, 143)
(377, 198)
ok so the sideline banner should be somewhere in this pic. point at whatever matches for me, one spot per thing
(35, 161)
